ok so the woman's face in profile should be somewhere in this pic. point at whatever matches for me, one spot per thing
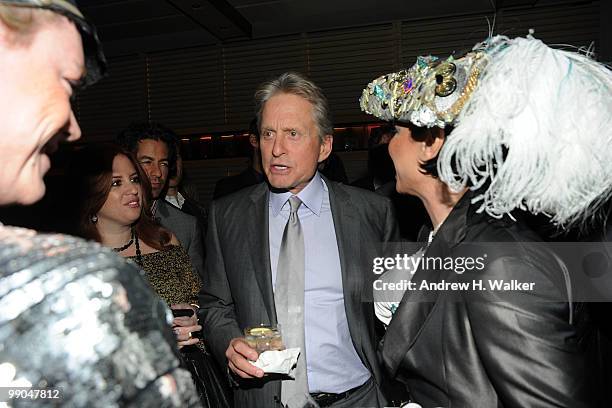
(124, 202)
(406, 155)
(37, 81)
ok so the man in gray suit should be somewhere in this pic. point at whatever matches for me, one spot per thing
(155, 149)
(250, 279)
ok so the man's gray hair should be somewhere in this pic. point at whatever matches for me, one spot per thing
(296, 84)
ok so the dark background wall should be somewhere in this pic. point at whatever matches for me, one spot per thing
(164, 67)
(209, 88)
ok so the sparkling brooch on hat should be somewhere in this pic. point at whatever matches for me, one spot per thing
(430, 93)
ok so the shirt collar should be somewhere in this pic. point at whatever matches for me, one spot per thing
(177, 200)
(311, 196)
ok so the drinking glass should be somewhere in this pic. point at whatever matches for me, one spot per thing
(264, 337)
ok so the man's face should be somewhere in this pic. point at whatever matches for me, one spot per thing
(37, 76)
(153, 157)
(289, 142)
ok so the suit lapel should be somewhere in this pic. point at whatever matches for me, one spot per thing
(417, 305)
(348, 237)
(161, 211)
(259, 246)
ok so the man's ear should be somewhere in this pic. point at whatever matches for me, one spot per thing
(326, 147)
(433, 144)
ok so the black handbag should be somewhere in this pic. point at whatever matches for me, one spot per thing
(211, 383)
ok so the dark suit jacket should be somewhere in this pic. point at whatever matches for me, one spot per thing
(193, 207)
(490, 348)
(237, 290)
(411, 214)
(186, 229)
(231, 184)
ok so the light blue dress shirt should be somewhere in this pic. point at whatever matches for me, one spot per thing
(332, 362)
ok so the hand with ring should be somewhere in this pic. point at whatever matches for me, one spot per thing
(183, 326)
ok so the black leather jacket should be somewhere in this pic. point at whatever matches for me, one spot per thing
(490, 347)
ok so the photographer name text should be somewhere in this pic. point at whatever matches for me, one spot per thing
(476, 284)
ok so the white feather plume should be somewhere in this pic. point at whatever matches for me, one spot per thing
(550, 110)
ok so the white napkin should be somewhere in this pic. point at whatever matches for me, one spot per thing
(278, 362)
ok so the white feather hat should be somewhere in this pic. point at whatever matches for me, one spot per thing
(531, 123)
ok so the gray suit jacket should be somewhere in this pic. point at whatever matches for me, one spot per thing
(237, 289)
(186, 229)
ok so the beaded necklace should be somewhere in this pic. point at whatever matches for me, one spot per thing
(126, 246)
(138, 253)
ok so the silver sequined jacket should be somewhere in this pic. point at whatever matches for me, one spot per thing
(78, 320)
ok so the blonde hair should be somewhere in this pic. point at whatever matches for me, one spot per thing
(23, 21)
(19, 19)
